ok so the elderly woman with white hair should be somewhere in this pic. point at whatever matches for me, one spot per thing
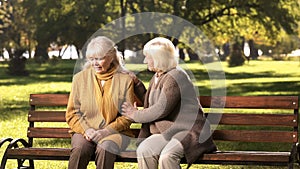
(98, 91)
(173, 123)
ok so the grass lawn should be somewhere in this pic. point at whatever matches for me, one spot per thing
(254, 78)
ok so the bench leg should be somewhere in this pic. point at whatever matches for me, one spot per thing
(291, 165)
(14, 144)
(3, 162)
(20, 164)
(4, 158)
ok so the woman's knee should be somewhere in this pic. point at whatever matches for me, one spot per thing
(163, 158)
(108, 146)
(172, 153)
(83, 150)
(151, 146)
(81, 147)
(169, 158)
(144, 150)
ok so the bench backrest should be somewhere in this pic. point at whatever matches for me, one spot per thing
(266, 118)
(263, 116)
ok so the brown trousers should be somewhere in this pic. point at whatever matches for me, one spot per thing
(83, 151)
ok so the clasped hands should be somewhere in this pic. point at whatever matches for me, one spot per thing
(96, 135)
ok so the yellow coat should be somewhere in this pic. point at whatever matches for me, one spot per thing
(86, 108)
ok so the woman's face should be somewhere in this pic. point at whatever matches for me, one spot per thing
(150, 62)
(101, 65)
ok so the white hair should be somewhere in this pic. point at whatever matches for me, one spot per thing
(163, 53)
(102, 46)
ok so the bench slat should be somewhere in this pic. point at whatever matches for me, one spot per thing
(46, 116)
(40, 153)
(271, 102)
(267, 102)
(49, 99)
(59, 154)
(221, 135)
(41, 132)
(244, 156)
(255, 136)
(284, 120)
(130, 156)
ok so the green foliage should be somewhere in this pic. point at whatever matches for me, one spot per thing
(5, 18)
(228, 19)
(60, 21)
(285, 46)
(36, 24)
(16, 30)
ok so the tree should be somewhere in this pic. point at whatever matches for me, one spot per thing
(73, 22)
(261, 21)
(5, 17)
(222, 21)
(15, 28)
(236, 57)
(64, 22)
(15, 35)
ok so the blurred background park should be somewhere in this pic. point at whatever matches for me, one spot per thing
(43, 30)
(257, 43)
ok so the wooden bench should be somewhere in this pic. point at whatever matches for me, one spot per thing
(236, 120)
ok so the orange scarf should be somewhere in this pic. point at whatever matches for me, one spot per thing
(103, 95)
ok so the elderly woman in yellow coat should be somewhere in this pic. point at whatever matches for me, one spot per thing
(98, 91)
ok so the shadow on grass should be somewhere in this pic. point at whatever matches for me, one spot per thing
(279, 88)
(11, 111)
(203, 75)
(272, 88)
(61, 72)
(266, 74)
(246, 146)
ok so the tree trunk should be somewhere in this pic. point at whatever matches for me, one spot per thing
(253, 50)
(41, 54)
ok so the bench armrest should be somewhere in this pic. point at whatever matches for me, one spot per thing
(3, 140)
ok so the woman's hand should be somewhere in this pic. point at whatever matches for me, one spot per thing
(128, 110)
(89, 133)
(132, 75)
(99, 135)
(96, 135)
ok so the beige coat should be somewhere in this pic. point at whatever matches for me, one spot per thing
(83, 107)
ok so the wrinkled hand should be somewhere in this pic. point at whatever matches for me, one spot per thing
(132, 75)
(99, 134)
(128, 110)
(89, 133)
